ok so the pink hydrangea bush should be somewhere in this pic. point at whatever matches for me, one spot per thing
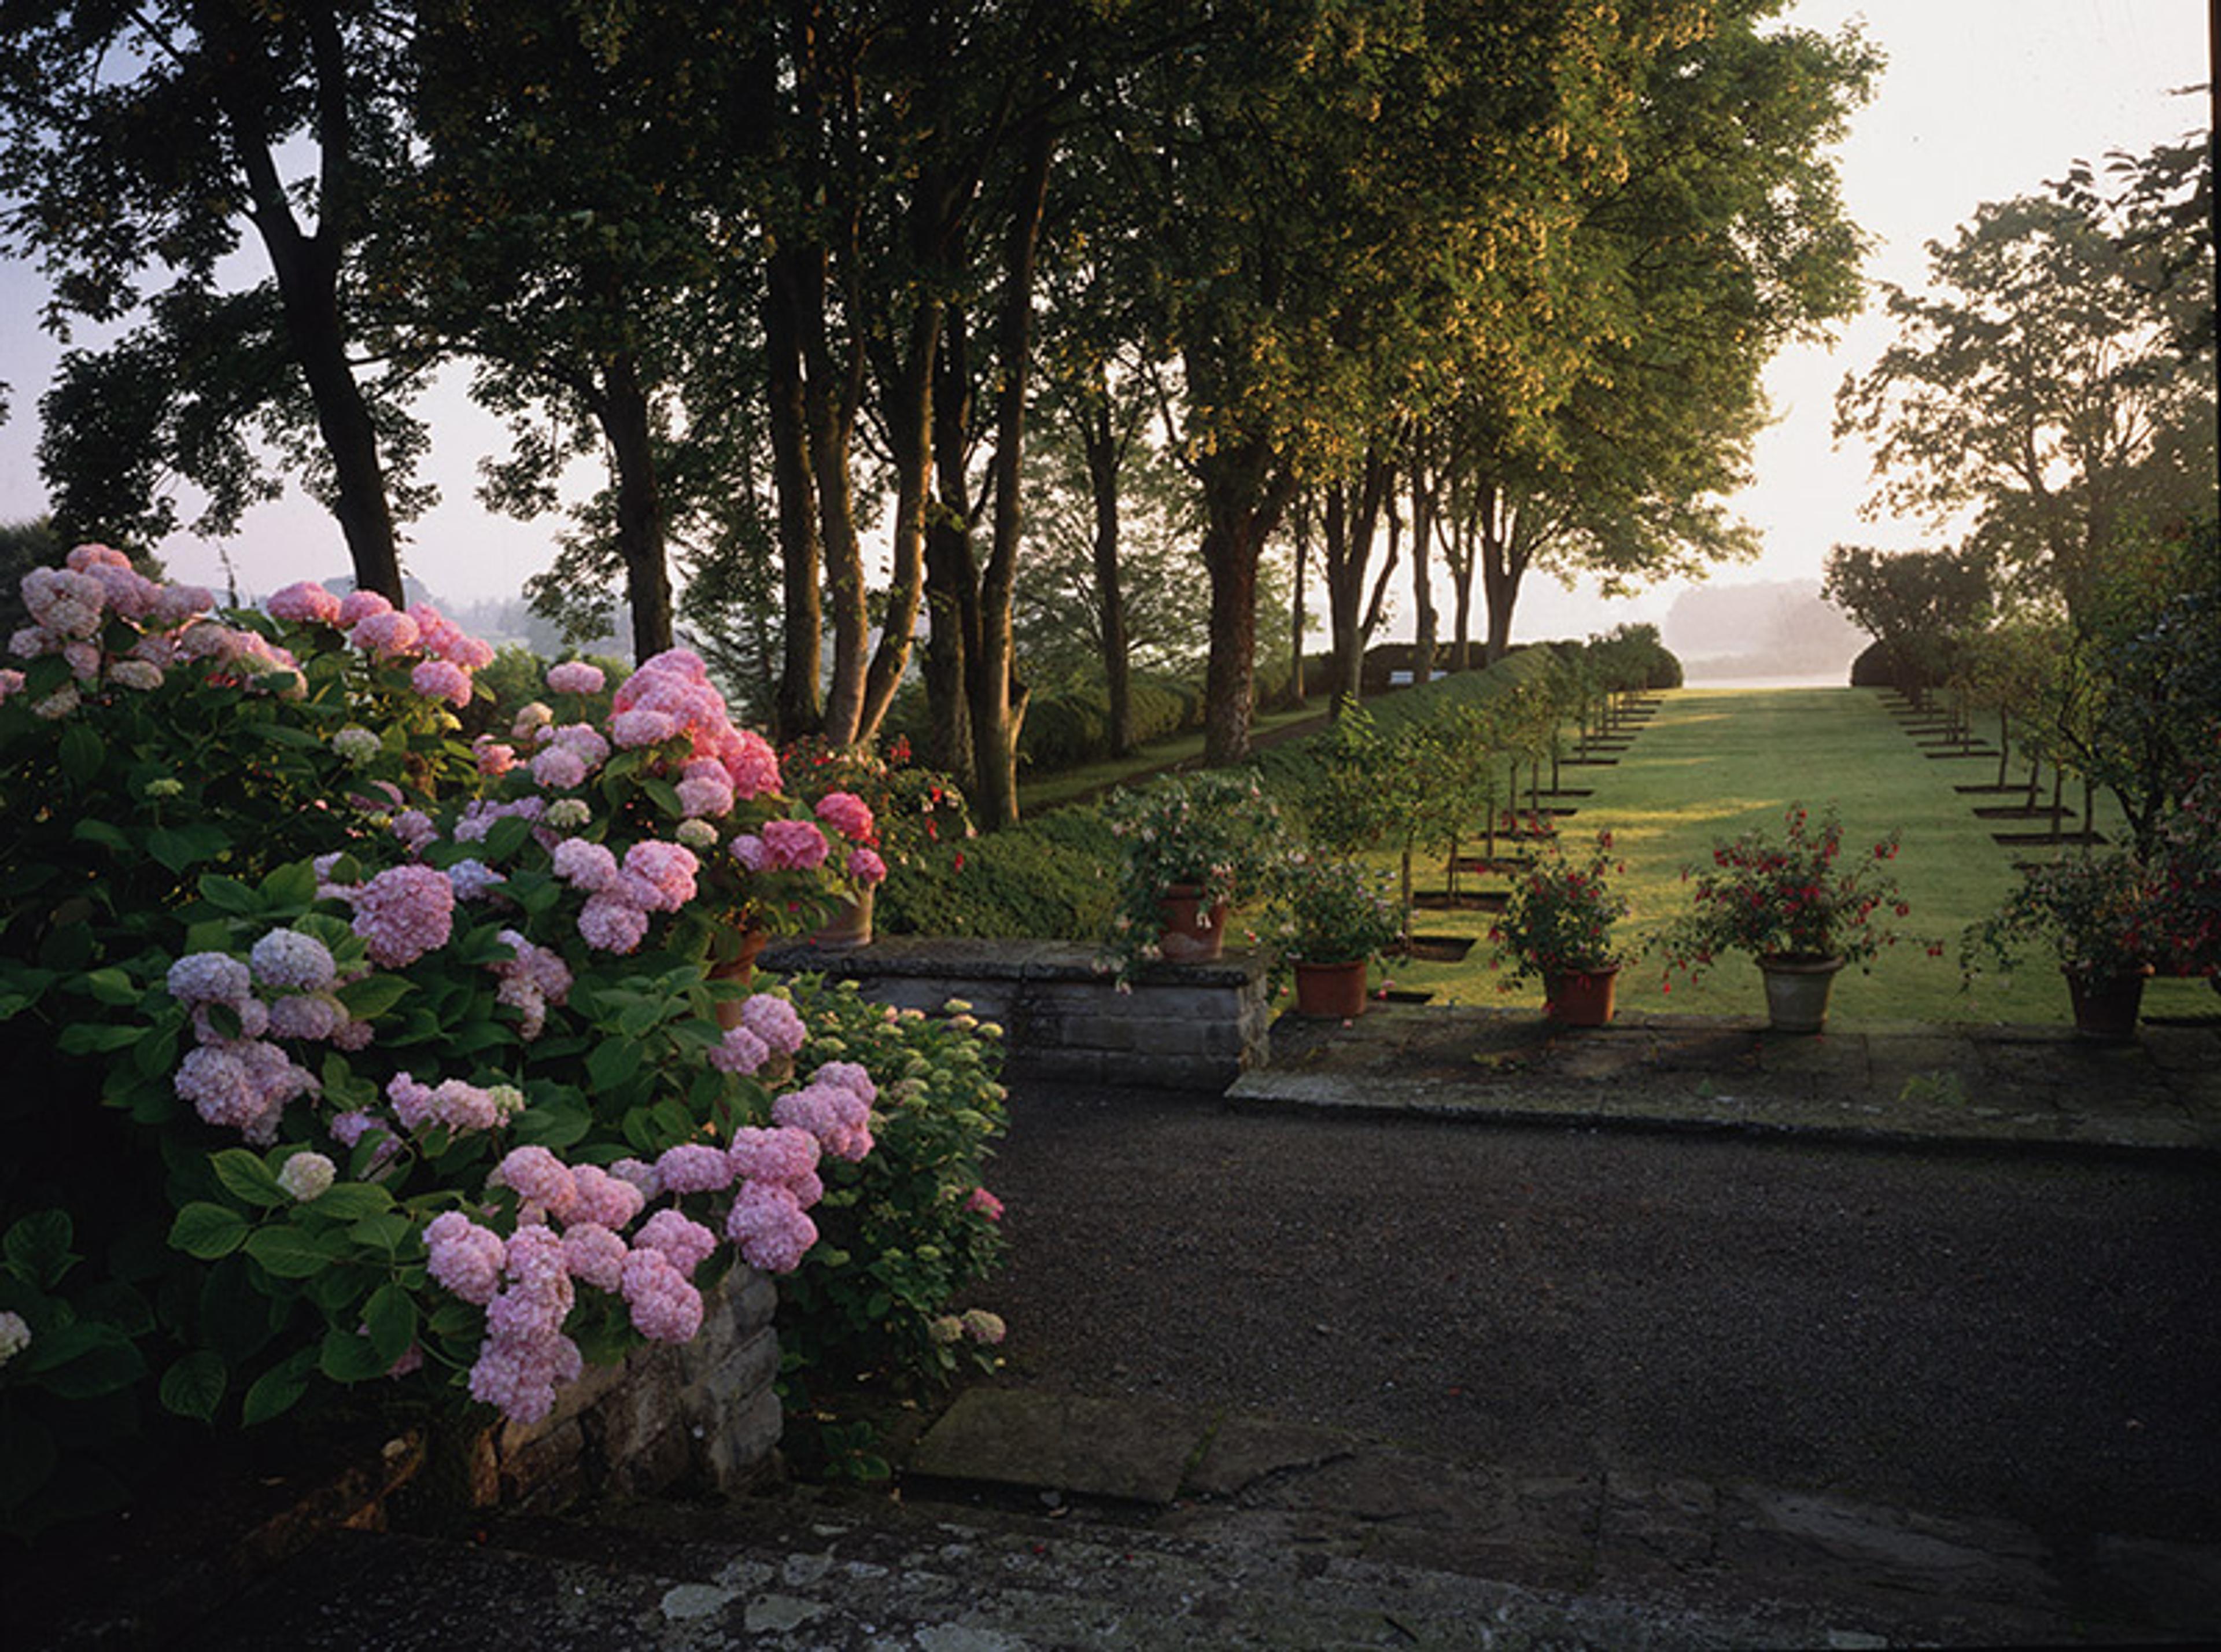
(475, 996)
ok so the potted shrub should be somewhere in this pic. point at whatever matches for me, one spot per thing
(888, 811)
(1334, 921)
(1795, 900)
(2099, 916)
(1557, 927)
(1193, 845)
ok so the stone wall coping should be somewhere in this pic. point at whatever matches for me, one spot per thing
(981, 957)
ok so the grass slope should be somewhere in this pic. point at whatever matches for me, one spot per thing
(1716, 761)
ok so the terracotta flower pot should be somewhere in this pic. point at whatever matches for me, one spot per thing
(1192, 933)
(2106, 1007)
(1331, 992)
(742, 967)
(849, 927)
(1580, 998)
(1797, 991)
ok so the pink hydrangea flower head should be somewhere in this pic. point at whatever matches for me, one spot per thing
(775, 1020)
(685, 1243)
(665, 1307)
(64, 600)
(414, 829)
(287, 960)
(640, 1175)
(304, 602)
(463, 1258)
(642, 726)
(752, 764)
(667, 869)
(747, 850)
(559, 769)
(174, 605)
(740, 1051)
(846, 813)
(307, 1015)
(389, 636)
(210, 977)
(84, 559)
(866, 866)
(851, 1076)
(608, 923)
(793, 845)
(493, 759)
(605, 1199)
(442, 679)
(585, 865)
(704, 789)
(539, 1178)
(403, 913)
(360, 605)
(595, 1255)
(783, 1156)
(769, 1225)
(693, 1167)
(985, 1203)
(11, 682)
(575, 677)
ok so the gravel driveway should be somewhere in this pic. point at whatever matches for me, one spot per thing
(2031, 1337)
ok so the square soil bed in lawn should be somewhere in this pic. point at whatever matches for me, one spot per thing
(1434, 948)
(2020, 811)
(1481, 865)
(1571, 792)
(2036, 840)
(1991, 790)
(1961, 751)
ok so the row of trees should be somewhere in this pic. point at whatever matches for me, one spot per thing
(2054, 391)
(1499, 280)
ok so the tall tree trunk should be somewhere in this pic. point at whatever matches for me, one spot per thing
(625, 419)
(1100, 446)
(799, 708)
(998, 701)
(1503, 563)
(307, 268)
(952, 579)
(1296, 692)
(1245, 490)
(1424, 486)
(909, 411)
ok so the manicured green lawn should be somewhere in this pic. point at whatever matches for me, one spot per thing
(1716, 761)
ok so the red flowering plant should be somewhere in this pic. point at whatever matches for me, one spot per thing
(2100, 916)
(2189, 870)
(912, 807)
(1559, 919)
(1797, 895)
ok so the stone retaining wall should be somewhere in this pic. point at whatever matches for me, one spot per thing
(703, 1412)
(1181, 1026)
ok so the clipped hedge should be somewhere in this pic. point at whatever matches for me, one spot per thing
(1046, 879)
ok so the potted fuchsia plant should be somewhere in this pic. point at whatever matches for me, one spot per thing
(1193, 846)
(1797, 901)
(1334, 919)
(1557, 927)
(2102, 916)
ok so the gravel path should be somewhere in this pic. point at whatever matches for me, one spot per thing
(2033, 1338)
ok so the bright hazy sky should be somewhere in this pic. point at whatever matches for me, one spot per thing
(1981, 100)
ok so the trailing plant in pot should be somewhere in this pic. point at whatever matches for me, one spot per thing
(1798, 902)
(2099, 916)
(1557, 929)
(1193, 846)
(1333, 920)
